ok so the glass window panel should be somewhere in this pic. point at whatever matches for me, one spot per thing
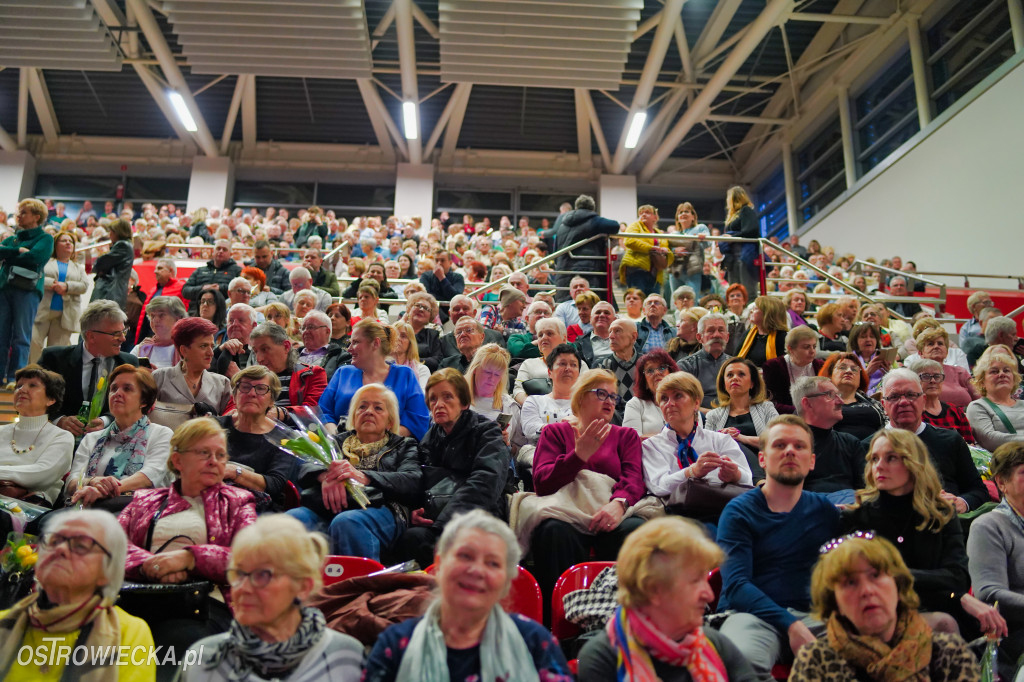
(278, 194)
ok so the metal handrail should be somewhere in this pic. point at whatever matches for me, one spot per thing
(967, 277)
(908, 275)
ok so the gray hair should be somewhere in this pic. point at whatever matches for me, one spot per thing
(239, 280)
(305, 293)
(170, 265)
(684, 291)
(458, 297)
(390, 402)
(702, 322)
(900, 373)
(558, 324)
(98, 312)
(803, 387)
(998, 326)
(317, 315)
(277, 334)
(114, 541)
(533, 307)
(299, 273)
(920, 364)
(480, 520)
(585, 203)
(253, 315)
(171, 305)
(476, 323)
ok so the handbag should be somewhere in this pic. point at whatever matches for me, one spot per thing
(15, 586)
(23, 278)
(440, 485)
(167, 601)
(701, 498)
(659, 261)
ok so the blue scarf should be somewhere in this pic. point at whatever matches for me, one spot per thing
(129, 450)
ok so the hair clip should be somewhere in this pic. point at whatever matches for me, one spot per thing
(835, 542)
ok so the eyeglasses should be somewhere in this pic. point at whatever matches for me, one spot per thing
(121, 333)
(831, 395)
(420, 306)
(78, 544)
(605, 396)
(910, 396)
(241, 291)
(209, 454)
(660, 369)
(261, 577)
(856, 535)
(258, 389)
(932, 377)
(314, 327)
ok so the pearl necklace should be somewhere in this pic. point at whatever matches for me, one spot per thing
(22, 451)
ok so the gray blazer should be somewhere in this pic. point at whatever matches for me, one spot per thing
(214, 389)
(761, 413)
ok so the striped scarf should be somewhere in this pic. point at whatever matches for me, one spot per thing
(636, 639)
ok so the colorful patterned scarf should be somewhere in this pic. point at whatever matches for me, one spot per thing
(636, 639)
(685, 453)
(905, 660)
(129, 450)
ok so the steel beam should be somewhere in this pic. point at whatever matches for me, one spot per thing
(595, 125)
(381, 121)
(454, 100)
(715, 28)
(582, 129)
(1016, 24)
(236, 104)
(837, 18)
(43, 105)
(159, 95)
(22, 107)
(7, 143)
(789, 179)
(454, 127)
(846, 130)
(920, 66)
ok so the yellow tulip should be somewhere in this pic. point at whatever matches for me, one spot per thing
(101, 383)
(313, 437)
(30, 560)
(23, 551)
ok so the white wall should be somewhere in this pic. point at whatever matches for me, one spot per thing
(971, 165)
(617, 198)
(212, 184)
(17, 178)
(414, 191)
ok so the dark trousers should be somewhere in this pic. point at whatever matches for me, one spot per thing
(556, 546)
(417, 542)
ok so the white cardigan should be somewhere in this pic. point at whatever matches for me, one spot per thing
(662, 472)
(643, 415)
(77, 285)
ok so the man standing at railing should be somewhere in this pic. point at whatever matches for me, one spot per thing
(582, 223)
(443, 283)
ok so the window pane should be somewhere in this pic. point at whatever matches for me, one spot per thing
(470, 200)
(821, 173)
(770, 201)
(157, 190)
(71, 187)
(886, 113)
(356, 197)
(277, 194)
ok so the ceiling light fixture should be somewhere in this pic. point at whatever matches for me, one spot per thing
(184, 115)
(636, 126)
(412, 129)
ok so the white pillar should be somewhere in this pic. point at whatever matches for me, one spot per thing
(924, 103)
(1016, 24)
(617, 198)
(846, 128)
(789, 179)
(414, 191)
(17, 178)
(212, 184)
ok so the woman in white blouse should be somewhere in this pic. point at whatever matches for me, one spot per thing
(642, 412)
(550, 333)
(487, 376)
(129, 454)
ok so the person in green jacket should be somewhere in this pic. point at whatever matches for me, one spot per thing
(22, 258)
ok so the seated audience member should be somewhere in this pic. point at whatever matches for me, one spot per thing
(634, 300)
(173, 539)
(838, 457)
(997, 417)
(507, 317)
(1002, 331)
(901, 503)
(796, 307)
(522, 346)
(657, 631)
(799, 361)
(777, 528)
(904, 403)
(341, 324)
(585, 303)
(976, 302)
(260, 293)
(830, 329)
(317, 349)
(377, 273)
(212, 307)
(957, 389)
(865, 342)
(622, 362)
(368, 303)
(103, 330)
(162, 312)
(274, 569)
(877, 315)
(540, 410)
(898, 287)
(376, 457)
(487, 377)
(255, 464)
(937, 413)
(405, 352)
(653, 331)
(864, 593)
(235, 352)
(713, 334)
(370, 347)
(79, 574)
(566, 311)
(592, 444)
(465, 634)
(642, 412)
(300, 384)
(216, 274)
(130, 453)
(323, 278)
(736, 299)
(469, 336)
(862, 416)
(935, 346)
(744, 411)
(997, 554)
(596, 344)
(421, 311)
(464, 306)
(766, 338)
(532, 376)
(190, 381)
(465, 454)
(685, 343)
(34, 454)
(683, 450)
(301, 280)
(281, 315)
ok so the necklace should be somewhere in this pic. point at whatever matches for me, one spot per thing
(21, 451)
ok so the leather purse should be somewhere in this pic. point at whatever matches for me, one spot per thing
(23, 278)
(701, 498)
(659, 261)
(440, 485)
(167, 601)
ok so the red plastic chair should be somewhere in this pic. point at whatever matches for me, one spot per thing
(292, 496)
(523, 598)
(576, 577)
(337, 568)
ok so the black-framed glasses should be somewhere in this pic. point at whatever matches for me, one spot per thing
(121, 333)
(932, 377)
(896, 397)
(78, 544)
(258, 389)
(605, 396)
(660, 369)
(831, 395)
(261, 577)
(855, 535)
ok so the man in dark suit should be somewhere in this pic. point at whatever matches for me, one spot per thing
(103, 330)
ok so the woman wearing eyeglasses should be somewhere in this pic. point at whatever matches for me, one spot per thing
(592, 444)
(936, 412)
(421, 309)
(274, 569)
(862, 416)
(997, 417)
(642, 412)
(79, 572)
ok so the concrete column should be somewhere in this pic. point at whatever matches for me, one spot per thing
(17, 178)
(212, 184)
(414, 191)
(846, 127)
(617, 197)
(1016, 24)
(789, 181)
(924, 102)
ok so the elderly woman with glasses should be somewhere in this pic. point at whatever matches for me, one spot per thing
(642, 412)
(937, 412)
(421, 311)
(862, 416)
(592, 444)
(275, 568)
(998, 416)
(79, 572)
(933, 344)
(301, 384)
(864, 592)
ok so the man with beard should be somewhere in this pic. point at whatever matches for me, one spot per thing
(772, 537)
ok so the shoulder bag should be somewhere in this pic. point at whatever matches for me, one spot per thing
(701, 498)
(23, 278)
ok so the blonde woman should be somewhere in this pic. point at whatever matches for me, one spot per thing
(766, 338)
(997, 417)
(279, 314)
(741, 221)
(488, 381)
(405, 351)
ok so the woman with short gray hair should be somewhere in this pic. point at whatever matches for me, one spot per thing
(162, 312)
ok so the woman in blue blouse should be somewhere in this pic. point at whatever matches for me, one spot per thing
(369, 347)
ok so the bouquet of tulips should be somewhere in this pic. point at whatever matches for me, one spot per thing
(310, 442)
(20, 512)
(19, 553)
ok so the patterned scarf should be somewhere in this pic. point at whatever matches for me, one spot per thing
(906, 660)
(685, 453)
(129, 450)
(96, 618)
(636, 639)
(503, 653)
(748, 343)
(363, 455)
(245, 653)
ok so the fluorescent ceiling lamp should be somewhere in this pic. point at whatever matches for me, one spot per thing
(636, 126)
(411, 124)
(184, 115)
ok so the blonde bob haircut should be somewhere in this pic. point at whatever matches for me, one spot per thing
(654, 554)
(390, 403)
(190, 433)
(284, 543)
(776, 318)
(826, 314)
(375, 331)
(935, 511)
(490, 355)
(588, 381)
(923, 324)
(839, 562)
(930, 335)
(994, 355)
(681, 381)
(405, 329)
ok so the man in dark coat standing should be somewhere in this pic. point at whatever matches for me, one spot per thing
(574, 226)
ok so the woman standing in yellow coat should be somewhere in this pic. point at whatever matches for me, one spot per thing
(645, 261)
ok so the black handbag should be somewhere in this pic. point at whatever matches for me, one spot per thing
(538, 386)
(14, 587)
(167, 601)
(23, 278)
(440, 485)
(701, 498)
